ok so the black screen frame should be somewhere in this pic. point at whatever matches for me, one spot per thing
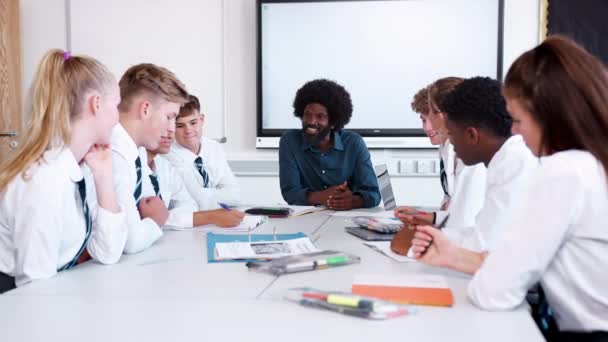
(378, 132)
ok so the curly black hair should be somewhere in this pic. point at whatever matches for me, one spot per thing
(329, 94)
(478, 102)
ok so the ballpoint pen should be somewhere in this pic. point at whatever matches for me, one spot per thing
(224, 206)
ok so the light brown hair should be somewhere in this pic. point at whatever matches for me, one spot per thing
(152, 80)
(565, 89)
(189, 107)
(57, 96)
(439, 90)
(420, 102)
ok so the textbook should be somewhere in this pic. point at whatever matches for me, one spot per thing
(417, 289)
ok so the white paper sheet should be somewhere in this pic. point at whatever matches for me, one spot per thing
(249, 221)
(263, 249)
(384, 247)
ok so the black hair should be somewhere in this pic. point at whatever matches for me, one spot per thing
(478, 102)
(331, 95)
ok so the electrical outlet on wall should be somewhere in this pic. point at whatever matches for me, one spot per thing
(407, 166)
(426, 166)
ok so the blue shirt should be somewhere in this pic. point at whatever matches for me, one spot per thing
(304, 168)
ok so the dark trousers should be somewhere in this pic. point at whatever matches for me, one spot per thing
(6, 283)
(543, 316)
(569, 336)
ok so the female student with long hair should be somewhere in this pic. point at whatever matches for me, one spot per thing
(57, 203)
(557, 94)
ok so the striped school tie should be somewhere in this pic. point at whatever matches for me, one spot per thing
(199, 166)
(443, 177)
(154, 180)
(137, 192)
(82, 190)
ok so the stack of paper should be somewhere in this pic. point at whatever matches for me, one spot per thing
(249, 222)
(263, 249)
(299, 210)
(384, 247)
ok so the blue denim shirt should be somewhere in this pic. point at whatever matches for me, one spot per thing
(304, 168)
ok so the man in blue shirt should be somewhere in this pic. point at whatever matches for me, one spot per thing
(321, 163)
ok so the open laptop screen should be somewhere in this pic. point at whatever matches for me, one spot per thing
(386, 189)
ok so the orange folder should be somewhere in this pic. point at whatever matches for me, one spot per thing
(405, 289)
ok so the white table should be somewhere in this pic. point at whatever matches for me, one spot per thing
(170, 292)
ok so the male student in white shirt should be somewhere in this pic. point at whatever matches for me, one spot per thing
(169, 186)
(463, 185)
(150, 100)
(201, 161)
(480, 130)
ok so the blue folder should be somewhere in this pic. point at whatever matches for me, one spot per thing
(213, 238)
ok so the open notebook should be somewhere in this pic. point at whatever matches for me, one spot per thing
(249, 222)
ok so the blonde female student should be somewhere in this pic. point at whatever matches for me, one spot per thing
(463, 186)
(557, 94)
(57, 203)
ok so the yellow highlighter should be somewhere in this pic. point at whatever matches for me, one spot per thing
(358, 302)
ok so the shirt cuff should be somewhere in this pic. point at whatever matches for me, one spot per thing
(108, 236)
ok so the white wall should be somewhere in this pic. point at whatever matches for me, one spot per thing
(44, 27)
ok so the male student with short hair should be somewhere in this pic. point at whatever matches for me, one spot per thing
(480, 130)
(151, 97)
(169, 186)
(201, 161)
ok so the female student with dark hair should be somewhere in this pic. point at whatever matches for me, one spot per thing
(557, 94)
(57, 202)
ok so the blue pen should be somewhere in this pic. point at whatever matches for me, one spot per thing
(224, 206)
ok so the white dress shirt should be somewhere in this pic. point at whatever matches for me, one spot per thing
(466, 187)
(174, 193)
(42, 224)
(508, 177)
(223, 186)
(561, 239)
(142, 232)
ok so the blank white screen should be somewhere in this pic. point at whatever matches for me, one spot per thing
(382, 52)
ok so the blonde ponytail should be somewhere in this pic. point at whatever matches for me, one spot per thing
(56, 95)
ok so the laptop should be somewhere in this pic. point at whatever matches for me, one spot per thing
(386, 189)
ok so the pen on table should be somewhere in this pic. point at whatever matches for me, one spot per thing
(224, 206)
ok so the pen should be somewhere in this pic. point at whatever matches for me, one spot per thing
(364, 313)
(224, 206)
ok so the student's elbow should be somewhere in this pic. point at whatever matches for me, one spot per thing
(492, 300)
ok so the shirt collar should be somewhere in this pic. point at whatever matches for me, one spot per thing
(67, 160)
(123, 143)
(185, 153)
(338, 145)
